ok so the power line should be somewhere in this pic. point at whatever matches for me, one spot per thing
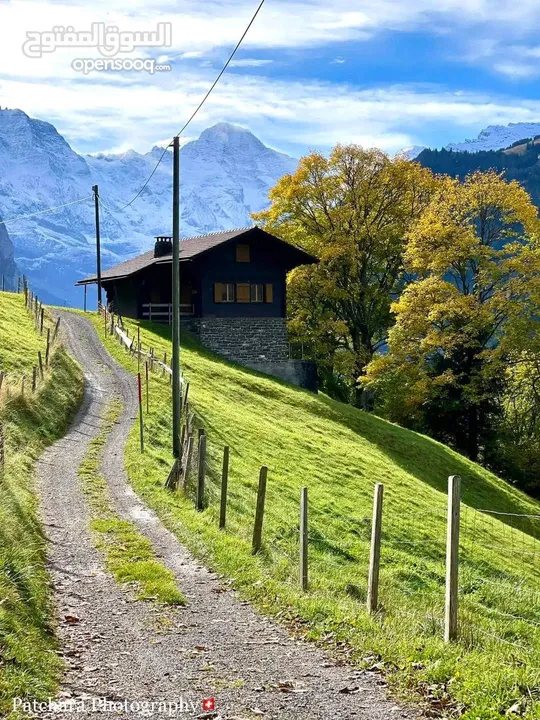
(42, 212)
(205, 98)
(231, 56)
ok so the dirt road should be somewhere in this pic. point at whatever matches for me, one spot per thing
(131, 652)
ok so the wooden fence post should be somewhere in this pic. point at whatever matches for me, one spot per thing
(224, 483)
(23, 382)
(202, 472)
(3, 283)
(304, 538)
(40, 360)
(375, 552)
(34, 378)
(2, 375)
(452, 559)
(189, 455)
(41, 318)
(147, 390)
(55, 333)
(2, 449)
(141, 421)
(19, 285)
(183, 439)
(259, 511)
(48, 348)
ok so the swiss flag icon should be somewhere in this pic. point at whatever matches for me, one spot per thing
(208, 704)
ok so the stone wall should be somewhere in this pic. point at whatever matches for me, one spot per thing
(257, 343)
(243, 339)
(302, 373)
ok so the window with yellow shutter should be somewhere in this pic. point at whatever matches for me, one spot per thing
(224, 292)
(243, 254)
(243, 293)
(269, 293)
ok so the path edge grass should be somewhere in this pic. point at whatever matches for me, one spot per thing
(30, 664)
(128, 555)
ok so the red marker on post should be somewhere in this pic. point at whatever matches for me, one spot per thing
(141, 424)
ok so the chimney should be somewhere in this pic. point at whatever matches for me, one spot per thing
(163, 246)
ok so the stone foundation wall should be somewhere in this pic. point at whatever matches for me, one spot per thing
(302, 373)
(244, 340)
(257, 343)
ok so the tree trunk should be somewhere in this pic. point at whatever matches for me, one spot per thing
(472, 434)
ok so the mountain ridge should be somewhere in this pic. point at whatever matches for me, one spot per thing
(493, 137)
(225, 176)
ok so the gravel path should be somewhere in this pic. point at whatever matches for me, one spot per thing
(133, 652)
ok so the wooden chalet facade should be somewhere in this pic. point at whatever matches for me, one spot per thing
(233, 292)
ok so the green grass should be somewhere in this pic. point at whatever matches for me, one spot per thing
(19, 353)
(128, 555)
(29, 666)
(339, 453)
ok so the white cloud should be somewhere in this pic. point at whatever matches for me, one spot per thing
(516, 70)
(99, 115)
(109, 110)
(250, 62)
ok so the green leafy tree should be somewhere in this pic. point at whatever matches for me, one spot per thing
(352, 210)
(476, 299)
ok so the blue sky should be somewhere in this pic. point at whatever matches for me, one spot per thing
(384, 73)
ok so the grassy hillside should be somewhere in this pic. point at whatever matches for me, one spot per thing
(339, 453)
(19, 343)
(28, 666)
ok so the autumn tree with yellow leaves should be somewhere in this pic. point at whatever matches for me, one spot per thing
(474, 304)
(352, 210)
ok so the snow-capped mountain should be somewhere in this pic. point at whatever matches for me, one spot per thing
(494, 137)
(497, 137)
(412, 152)
(225, 176)
(8, 269)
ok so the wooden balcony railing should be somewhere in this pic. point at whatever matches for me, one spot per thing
(162, 312)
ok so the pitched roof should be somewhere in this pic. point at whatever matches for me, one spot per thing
(189, 248)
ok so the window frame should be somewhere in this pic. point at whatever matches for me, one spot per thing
(227, 289)
(254, 287)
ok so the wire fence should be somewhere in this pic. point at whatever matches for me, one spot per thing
(494, 593)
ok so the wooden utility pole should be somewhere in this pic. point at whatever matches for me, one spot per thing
(95, 190)
(176, 396)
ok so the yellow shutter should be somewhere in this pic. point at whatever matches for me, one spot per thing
(242, 253)
(243, 293)
(269, 293)
(218, 292)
